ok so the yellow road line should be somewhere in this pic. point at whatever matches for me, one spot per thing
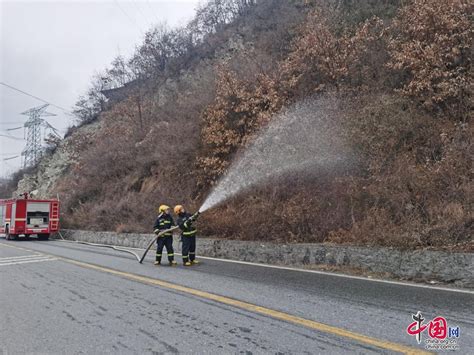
(254, 308)
(383, 344)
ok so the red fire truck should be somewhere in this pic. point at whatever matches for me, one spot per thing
(26, 216)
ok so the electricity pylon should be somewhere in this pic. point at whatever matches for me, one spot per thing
(33, 150)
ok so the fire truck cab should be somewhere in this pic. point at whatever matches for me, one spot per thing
(25, 217)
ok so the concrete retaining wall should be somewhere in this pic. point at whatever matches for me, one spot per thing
(457, 268)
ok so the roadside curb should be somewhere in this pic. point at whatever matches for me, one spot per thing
(421, 265)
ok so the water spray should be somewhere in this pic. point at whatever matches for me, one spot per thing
(305, 138)
(302, 139)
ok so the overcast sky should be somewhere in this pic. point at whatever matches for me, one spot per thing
(51, 49)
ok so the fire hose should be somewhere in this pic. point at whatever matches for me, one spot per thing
(192, 218)
(99, 245)
(139, 259)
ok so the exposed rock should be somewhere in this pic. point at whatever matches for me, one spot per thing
(52, 167)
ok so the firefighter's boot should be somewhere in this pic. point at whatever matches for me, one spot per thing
(173, 263)
(186, 261)
(158, 256)
(194, 262)
(171, 256)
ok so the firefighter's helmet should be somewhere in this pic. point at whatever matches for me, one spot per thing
(163, 208)
(178, 209)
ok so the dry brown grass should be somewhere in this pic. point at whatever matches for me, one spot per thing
(412, 185)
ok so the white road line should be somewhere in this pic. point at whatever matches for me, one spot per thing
(399, 283)
(11, 258)
(28, 261)
(25, 259)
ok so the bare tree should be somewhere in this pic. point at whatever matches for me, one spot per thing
(88, 107)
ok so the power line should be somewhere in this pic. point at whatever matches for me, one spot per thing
(16, 156)
(153, 13)
(35, 97)
(145, 17)
(16, 138)
(127, 16)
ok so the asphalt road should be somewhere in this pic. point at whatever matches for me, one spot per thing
(58, 297)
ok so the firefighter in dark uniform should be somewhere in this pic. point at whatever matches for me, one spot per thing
(163, 222)
(188, 234)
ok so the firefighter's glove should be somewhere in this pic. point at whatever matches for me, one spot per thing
(194, 217)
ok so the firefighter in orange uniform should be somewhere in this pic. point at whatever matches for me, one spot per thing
(163, 222)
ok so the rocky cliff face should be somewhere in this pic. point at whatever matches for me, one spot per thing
(52, 167)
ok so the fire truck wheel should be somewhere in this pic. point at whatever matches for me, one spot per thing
(43, 236)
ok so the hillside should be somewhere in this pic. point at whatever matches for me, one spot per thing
(165, 124)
